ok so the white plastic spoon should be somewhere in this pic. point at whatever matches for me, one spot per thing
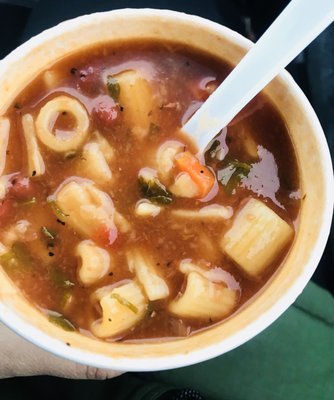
(295, 28)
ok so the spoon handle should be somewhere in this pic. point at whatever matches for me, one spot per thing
(299, 23)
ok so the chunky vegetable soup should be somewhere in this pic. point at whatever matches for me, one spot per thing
(110, 223)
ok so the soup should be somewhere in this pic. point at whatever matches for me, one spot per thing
(110, 224)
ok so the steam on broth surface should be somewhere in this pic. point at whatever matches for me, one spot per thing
(109, 223)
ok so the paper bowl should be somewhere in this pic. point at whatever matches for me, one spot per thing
(42, 51)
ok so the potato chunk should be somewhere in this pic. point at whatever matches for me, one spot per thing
(95, 262)
(122, 308)
(203, 299)
(87, 209)
(136, 98)
(141, 264)
(93, 164)
(215, 274)
(257, 235)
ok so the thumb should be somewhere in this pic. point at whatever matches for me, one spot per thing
(21, 358)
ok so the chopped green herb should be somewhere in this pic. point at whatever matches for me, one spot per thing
(60, 280)
(232, 174)
(69, 155)
(18, 257)
(57, 210)
(113, 87)
(124, 302)
(61, 321)
(22, 254)
(28, 202)
(65, 299)
(48, 233)
(154, 190)
(6, 257)
(153, 129)
(149, 309)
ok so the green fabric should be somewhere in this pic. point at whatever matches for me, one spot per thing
(292, 359)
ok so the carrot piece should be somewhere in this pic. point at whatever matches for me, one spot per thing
(200, 174)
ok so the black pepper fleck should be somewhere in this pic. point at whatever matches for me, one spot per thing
(51, 254)
(68, 344)
(33, 173)
(73, 70)
(60, 222)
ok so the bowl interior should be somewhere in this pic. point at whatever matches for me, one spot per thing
(315, 173)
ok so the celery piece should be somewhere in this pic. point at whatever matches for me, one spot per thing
(60, 280)
(17, 257)
(61, 321)
(28, 202)
(48, 233)
(124, 302)
(113, 87)
(57, 210)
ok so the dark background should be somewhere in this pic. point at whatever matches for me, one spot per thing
(313, 70)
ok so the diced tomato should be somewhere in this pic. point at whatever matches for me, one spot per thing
(202, 89)
(105, 111)
(6, 206)
(22, 187)
(105, 235)
(89, 80)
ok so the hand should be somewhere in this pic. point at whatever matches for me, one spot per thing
(18, 357)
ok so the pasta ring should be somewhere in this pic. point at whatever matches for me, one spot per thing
(49, 112)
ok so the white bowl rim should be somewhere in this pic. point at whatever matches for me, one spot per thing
(55, 346)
